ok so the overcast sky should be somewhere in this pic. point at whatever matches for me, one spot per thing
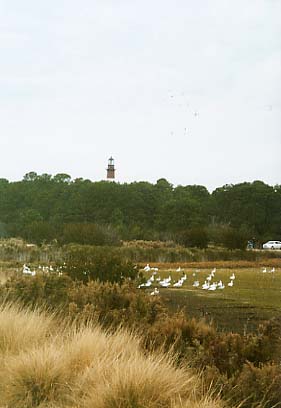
(189, 90)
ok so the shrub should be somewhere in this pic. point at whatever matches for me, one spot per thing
(226, 353)
(258, 386)
(89, 234)
(49, 290)
(104, 264)
(185, 336)
(112, 304)
(109, 303)
(234, 239)
(194, 237)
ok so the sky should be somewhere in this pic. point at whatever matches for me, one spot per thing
(185, 90)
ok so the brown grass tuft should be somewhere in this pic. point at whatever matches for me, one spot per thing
(22, 329)
(87, 367)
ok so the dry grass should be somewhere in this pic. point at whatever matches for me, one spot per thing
(20, 329)
(87, 367)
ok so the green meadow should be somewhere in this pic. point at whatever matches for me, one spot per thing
(254, 297)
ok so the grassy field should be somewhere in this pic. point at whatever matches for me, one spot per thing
(254, 297)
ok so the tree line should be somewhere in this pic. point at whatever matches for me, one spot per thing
(43, 208)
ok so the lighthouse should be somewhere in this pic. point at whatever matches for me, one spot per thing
(110, 175)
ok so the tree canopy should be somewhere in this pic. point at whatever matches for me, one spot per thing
(45, 207)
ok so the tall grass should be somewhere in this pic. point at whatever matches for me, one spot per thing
(21, 329)
(48, 367)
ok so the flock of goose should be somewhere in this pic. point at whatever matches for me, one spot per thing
(264, 270)
(209, 283)
(43, 269)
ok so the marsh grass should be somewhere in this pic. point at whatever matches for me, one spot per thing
(21, 329)
(49, 365)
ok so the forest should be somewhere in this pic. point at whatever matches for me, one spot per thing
(43, 208)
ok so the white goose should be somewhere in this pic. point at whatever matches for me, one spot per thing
(178, 284)
(220, 285)
(213, 286)
(164, 284)
(206, 285)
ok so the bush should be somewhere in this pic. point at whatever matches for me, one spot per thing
(194, 237)
(39, 232)
(89, 234)
(189, 338)
(234, 239)
(108, 303)
(112, 304)
(104, 264)
(258, 386)
(50, 290)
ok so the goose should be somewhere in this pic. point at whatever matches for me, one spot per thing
(230, 283)
(205, 285)
(147, 268)
(196, 284)
(178, 284)
(213, 286)
(220, 285)
(184, 277)
(232, 277)
(26, 270)
(272, 270)
(146, 284)
(179, 269)
(264, 270)
(155, 292)
(164, 284)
